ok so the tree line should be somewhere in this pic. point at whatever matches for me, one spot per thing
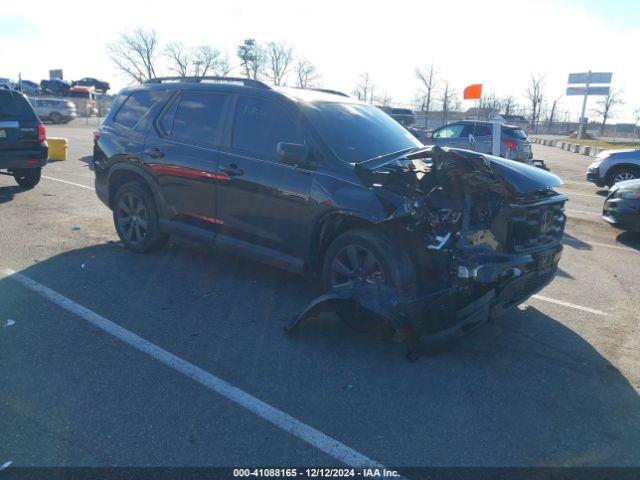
(140, 56)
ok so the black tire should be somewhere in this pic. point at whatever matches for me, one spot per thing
(27, 177)
(139, 231)
(55, 117)
(622, 173)
(396, 266)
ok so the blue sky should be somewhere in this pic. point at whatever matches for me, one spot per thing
(496, 42)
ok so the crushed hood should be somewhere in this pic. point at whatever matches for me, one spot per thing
(457, 167)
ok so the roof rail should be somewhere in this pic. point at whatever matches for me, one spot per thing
(247, 82)
(328, 90)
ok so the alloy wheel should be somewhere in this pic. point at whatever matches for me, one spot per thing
(355, 263)
(132, 218)
(622, 176)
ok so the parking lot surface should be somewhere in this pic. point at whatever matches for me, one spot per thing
(555, 382)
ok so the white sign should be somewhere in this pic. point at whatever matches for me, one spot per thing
(583, 91)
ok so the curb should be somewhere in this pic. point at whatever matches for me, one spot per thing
(568, 146)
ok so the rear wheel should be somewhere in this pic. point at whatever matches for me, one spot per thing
(27, 177)
(136, 218)
(55, 117)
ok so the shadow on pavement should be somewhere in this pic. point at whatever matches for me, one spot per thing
(575, 242)
(629, 239)
(523, 390)
(88, 160)
(8, 193)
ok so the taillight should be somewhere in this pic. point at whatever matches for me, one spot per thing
(510, 144)
(42, 133)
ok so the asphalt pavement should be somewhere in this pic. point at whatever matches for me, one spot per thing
(178, 358)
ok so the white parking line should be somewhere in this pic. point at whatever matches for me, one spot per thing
(70, 183)
(570, 305)
(304, 432)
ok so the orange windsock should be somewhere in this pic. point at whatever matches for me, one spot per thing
(473, 92)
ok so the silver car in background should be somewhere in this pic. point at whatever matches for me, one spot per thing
(478, 136)
(613, 166)
(54, 110)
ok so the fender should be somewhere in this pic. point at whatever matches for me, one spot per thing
(123, 166)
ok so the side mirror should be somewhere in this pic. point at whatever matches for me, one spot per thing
(296, 155)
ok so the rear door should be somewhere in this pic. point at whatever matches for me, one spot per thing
(181, 151)
(482, 137)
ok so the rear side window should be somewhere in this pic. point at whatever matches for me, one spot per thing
(515, 132)
(14, 106)
(477, 131)
(195, 118)
(136, 106)
(259, 126)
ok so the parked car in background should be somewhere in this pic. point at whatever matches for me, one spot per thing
(5, 82)
(85, 100)
(55, 86)
(28, 87)
(23, 139)
(613, 166)
(478, 136)
(54, 110)
(622, 206)
(404, 116)
(91, 82)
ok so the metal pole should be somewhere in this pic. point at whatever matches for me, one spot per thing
(581, 124)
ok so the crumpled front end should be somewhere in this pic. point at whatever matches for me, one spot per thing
(484, 234)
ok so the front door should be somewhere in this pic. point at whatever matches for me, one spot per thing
(264, 202)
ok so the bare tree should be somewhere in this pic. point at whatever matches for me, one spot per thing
(427, 77)
(279, 58)
(489, 105)
(364, 88)
(209, 60)
(384, 99)
(606, 107)
(554, 106)
(179, 58)
(252, 58)
(307, 75)
(135, 54)
(636, 116)
(447, 98)
(535, 95)
(508, 104)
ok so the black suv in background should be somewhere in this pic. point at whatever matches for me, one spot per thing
(317, 182)
(23, 139)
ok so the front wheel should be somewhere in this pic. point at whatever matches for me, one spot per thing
(55, 117)
(622, 174)
(363, 256)
(136, 218)
(27, 177)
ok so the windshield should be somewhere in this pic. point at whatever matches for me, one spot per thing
(356, 132)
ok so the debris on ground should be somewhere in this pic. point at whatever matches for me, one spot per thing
(9, 323)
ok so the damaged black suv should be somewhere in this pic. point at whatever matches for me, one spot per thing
(435, 239)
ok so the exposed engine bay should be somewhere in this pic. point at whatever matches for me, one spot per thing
(483, 232)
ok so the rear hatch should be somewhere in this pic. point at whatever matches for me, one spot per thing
(18, 122)
(523, 145)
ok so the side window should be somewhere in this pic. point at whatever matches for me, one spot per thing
(483, 131)
(260, 125)
(451, 131)
(196, 118)
(136, 106)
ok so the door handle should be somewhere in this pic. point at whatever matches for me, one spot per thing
(232, 170)
(154, 153)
